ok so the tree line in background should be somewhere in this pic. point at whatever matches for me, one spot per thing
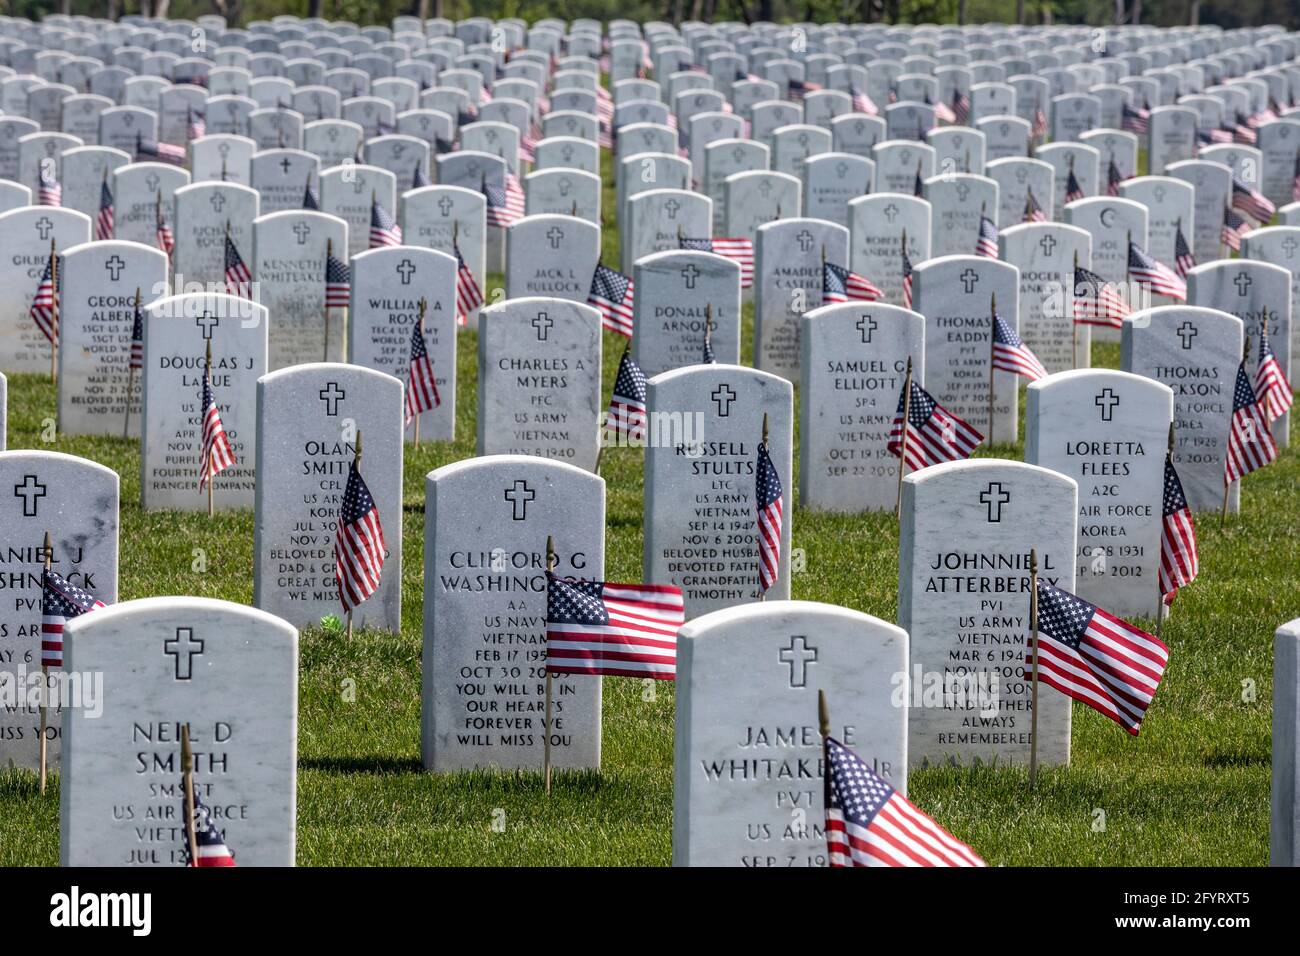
(1237, 13)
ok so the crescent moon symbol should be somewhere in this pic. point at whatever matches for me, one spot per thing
(1107, 215)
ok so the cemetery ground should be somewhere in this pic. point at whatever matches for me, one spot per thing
(1192, 790)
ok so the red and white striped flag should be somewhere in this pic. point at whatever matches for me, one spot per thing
(211, 842)
(627, 408)
(613, 295)
(338, 282)
(1234, 227)
(505, 205)
(239, 281)
(359, 548)
(61, 601)
(44, 311)
(740, 251)
(612, 630)
(163, 235)
(1271, 384)
(907, 276)
(50, 192)
(767, 515)
(1012, 355)
(468, 295)
(987, 243)
(1033, 211)
(1094, 657)
(934, 434)
(216, 454)
(104, 221)
(1250, 442)
(869, 823)
(1097, 302)
(1179, 560)
(841, 285)
(1184, 260)
(1153, 274)
(1251, 201)
(421, 389)
(384, 230)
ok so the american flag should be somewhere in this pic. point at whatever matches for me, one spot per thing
(1250, 443)
(934, 434)
(137, 337)
(1295, 179)
(163, 152)
(1234, 227)
(767, 516)
(1012, 355)
(51, 190)
(421, 389)
(505, 204)
(627, 411)
(338, 282)
(1184, 260)
(310, 197)
(612, 630)
(1209, 135)
(1039, 129)
(960, 108)
(1113, 178)
(239, 281)
(841, 285)
(1179, 561)
(1244, 132)
(384, 230)
(216, 455)
(708, 358)
(60, 602)
(44, 310)
(104, 221)
(612, 294)
(737, 250)
(1096, 301)
(211, 842)
(1251, 201)
(359, 548)
(987, 243)
(163, 235)
(869, 823)
(907, 276)
(419, 179)
(942, 111)
(1033, 211)
(468, 295)
(1136, 120)
(1096, 658)
(195, 125)
(862, 103)
(1157, 276)
(1073, 190)
(1271, 384)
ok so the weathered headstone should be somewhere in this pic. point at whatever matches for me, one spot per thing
(25, 236)
(289, 250)
(1045, 253)
(788, 265)
(877, 225)
(747, 790)
(303, 460)
(678, 296)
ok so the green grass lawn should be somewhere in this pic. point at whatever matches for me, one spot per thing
(1192, 790)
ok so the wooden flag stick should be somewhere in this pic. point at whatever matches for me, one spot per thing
(329, 252)
(552, 560)
(1160, 596)
(993, 334)
(1033, 627)
(187, 779)
(48, 550)
(424, 307)
(54, 309)
(130, 375)
(708, 328)
(212, 478)
(356, 460)
(823, 714)
(902, 441)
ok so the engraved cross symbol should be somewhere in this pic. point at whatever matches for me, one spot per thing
(765, 187)
(671, 207)
(152, 182)
(867, 325)
(995, 497)
(331, 395)
(1106, 401)
(554, 235)
(963, 191)
(519, 495)
(405, 269)
(542, 323)
(444, 205)
(1289, 246)
(114, 266)
(285, 166)
(1243, 282)
(805, 240)
(183, 648)
(218, 202)
(29, 490)
(43, 227)
(1187, 332)
(968, 279)
(1047, 244)
(690, 274)
(723, 396)
(891, 211)
(207, 322)
(302, 231)
(798, 656)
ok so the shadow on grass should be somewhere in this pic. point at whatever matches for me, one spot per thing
(382, 766)
(1222, 761)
